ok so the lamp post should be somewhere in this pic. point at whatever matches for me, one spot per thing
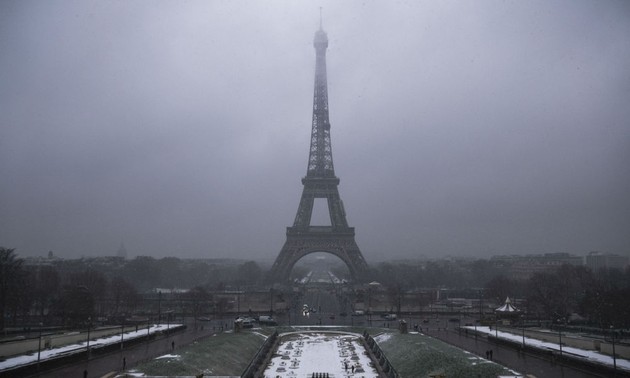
(39, 346)
(612, 333)
(122, 333)
(496, 326)
(88, 337)
(480, 304)
(523, 329)
(560, 336)
(159, 307)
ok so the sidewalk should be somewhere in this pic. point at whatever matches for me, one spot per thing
(101, 365)
(515, 359)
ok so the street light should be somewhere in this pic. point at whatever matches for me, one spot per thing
(122, 333)
(523, 329)
(612, 331)
(88, 337)
(39, 346)
(560, 336)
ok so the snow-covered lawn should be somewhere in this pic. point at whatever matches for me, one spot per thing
(302, 354)
(590, 355)
(82, 346)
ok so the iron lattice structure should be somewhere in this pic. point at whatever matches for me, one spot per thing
(320, 182)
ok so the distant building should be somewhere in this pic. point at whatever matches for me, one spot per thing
(522, 267)
(597, 260)
(122, 251)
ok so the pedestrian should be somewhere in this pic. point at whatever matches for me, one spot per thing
(84, 373)
(352, 369)
(173, 345)
(490, 354)
(487, 354)
(345, 365)
(124, 363)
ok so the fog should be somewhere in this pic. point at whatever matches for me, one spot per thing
(182, 128)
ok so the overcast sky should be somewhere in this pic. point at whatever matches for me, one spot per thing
(182, 128)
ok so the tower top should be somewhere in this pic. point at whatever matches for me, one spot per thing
(320, 162)
(321, 39)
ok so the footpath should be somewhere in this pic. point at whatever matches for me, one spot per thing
(525, 362)
(110, 364)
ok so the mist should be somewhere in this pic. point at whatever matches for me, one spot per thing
(182, 128)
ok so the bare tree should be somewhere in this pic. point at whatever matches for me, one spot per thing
(10, 273)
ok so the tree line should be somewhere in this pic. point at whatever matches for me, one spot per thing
(70, 291)
(74, 292)
(567, 293)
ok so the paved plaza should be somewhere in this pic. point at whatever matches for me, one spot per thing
(338, 355)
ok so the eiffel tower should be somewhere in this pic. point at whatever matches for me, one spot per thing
(320, 182)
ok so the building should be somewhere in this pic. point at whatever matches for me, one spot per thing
(598, 260)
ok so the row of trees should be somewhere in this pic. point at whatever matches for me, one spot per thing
(70, 291)
(602, 298)
(73, 292)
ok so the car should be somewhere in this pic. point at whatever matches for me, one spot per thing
(245, 322)
(344, 314)
(358, 313)
(390, 317)
(267, 320)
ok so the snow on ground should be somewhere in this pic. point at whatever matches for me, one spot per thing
(383, 337)
(168, 356)
(590, 355)
(80, 347)
(300, 355)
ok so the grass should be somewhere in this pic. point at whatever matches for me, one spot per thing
(412, 355)
(222, 354)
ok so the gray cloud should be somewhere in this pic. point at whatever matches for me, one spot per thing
(182, 128)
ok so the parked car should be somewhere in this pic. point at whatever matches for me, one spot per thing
(267, 320)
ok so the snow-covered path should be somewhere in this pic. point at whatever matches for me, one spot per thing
(46, 354)
(299, 355)
(590, 355)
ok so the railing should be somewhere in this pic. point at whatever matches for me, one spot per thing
(383, 362)
(259, 362)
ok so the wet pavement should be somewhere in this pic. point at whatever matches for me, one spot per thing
(105, 364)
(524, 363)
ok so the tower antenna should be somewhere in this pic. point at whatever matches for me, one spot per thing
(320, 19)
